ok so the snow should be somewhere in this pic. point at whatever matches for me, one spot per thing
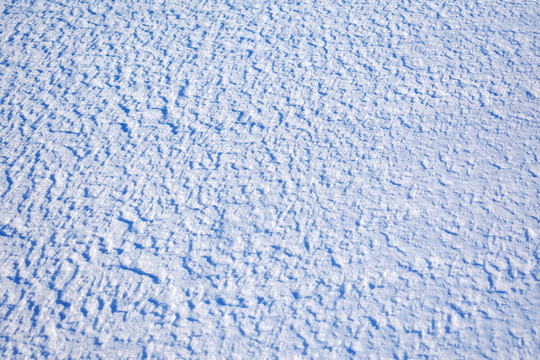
(272, 179)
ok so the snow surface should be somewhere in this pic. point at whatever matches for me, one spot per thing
(269, 179)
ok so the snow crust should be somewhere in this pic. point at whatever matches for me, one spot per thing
(269, 179)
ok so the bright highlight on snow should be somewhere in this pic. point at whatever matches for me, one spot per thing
(269, 179)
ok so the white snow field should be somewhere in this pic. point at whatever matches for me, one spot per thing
(269, 179)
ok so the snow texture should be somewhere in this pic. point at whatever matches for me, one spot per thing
(269, 179)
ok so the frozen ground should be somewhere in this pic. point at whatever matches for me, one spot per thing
(269, 179)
